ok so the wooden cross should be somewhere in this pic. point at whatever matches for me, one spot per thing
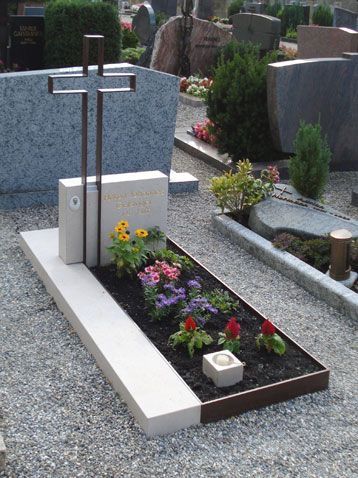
(99, 128)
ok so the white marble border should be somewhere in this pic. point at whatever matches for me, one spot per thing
(157, 396)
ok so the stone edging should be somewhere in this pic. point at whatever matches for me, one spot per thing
(315, 282)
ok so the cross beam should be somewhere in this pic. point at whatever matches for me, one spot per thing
(99, 135)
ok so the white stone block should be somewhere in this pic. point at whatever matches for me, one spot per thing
(139, 198)
(223, 368)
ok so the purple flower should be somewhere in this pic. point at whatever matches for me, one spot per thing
(194, 283)
(199, 304)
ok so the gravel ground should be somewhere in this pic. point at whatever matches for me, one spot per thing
(62, 418)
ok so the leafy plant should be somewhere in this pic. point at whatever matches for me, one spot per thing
(238, 191)
(291, 16)
(237, 103)
(291, 33)
(230, 338)
(129, 38)
(129, 253)
(172, 258)
(270, 340)
(322, 16)
(190, 335)
(309, 167)
(315, 252)
(235, 7)
(68, 20)
(221, 300)
(274, 9)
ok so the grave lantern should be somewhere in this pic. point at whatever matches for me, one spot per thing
(340, 254)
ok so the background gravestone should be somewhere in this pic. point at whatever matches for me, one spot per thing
(40, 140)
(345, 18)
(169, 7)
(323, 90)
(205, 9)
(325, 42)
(206, 38)
(27, 41)
(258, 8)
(35, 11)
(261, 29)
(144, 23)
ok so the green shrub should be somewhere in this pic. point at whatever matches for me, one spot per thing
(129, 39)
(309, 167)
(235, 7)
(66, 21)
(237, 103)
(274, 9)
(291, 16)
(322, 16)
(132, 55)
(237, 192)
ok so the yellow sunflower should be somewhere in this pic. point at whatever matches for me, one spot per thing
(141, 233)
(120, 229)
(123, 224)
(111, 235)
(123, 237)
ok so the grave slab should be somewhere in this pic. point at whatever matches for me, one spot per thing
(135, 368)
(345, 18)
(323, 90)
(45, 145)
(144, 23)
(261, 29)
(288, 211)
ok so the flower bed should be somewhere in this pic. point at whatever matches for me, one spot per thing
(282, 377)
(195, 86)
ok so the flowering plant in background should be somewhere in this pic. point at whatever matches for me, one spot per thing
(230, 338)
(269, 339)
(201, 309)
(126, 26)
(271, 174)
(130, 251)
(195, 86)
(204, 130)
(191, 335)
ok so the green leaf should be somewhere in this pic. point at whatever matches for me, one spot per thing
(278, 345)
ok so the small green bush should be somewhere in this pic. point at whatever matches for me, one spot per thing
(235, 7)
(322, 16)
(237, 103)
(66, 21)
(132, 55)
(291, 16)
(309, 167)
(129, 39)
(274, 9)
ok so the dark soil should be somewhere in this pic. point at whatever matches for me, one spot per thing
(261, 367)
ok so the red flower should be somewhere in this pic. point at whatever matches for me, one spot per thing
(232, 330)
(267, 328)
(190, 324)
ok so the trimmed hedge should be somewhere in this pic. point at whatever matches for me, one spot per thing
(66, 21)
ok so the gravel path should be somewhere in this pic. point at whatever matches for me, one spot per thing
(62, 418)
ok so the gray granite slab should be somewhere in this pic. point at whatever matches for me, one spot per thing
(345, 18)
(261, 29)
(144, 23)
(40, 140)
(288, 211)
(169, 7)
(324, 90)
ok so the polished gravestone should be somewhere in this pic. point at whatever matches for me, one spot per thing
(168, 7)
(323, 90)
(345, 18)
(27, 35)
(260, 29)
(144, 23)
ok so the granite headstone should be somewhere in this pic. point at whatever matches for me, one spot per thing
(144, 23)
(27, 42)
(323, 90)
(345, 18)
(261, 29)
(258, 8)
(206, 38)
(325, 42)
(40, 140)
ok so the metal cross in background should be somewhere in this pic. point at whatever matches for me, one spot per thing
(186, 27)
(99, 135)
